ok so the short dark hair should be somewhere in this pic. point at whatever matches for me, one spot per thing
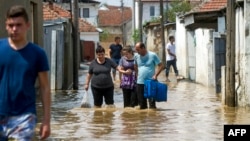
(141, 45)
(171, 37)
(17, 11)
(100, 49)
(116, 38)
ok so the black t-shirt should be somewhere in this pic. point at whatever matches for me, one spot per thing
(115, 51)
(101, 77)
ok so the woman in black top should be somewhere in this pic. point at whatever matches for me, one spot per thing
(101, 80)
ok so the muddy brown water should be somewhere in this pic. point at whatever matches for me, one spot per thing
(192, 113)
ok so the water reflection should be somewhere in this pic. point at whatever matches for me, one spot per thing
(236, 115)
(130, 121)
(101, 123)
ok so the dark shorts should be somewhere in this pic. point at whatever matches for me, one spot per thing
(21, 128)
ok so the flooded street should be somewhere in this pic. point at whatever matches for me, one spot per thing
(192, 113)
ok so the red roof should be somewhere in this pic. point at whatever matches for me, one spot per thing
(167, 0)
(54, 11)
(213, 5)
(85, 26)
(113, 16)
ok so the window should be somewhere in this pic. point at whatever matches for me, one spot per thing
(152, 11)
(85, 12)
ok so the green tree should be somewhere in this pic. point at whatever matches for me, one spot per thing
(135, 36)
(104, 35)
(177, 7)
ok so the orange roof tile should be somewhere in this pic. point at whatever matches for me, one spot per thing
(113, 16)
(85, 26)
(167, 0)
(213, 5)
(49, 14)
(54, 11)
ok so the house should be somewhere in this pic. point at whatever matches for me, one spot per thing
(151, 9)
(58, 43)
(88, 9)
(200, 40)
(116, 21)
(206, 27)
(89, 38)
(89, 33)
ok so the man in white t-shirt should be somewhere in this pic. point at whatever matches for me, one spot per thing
(171, 57)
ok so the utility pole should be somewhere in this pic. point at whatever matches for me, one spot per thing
(133, 19)
(162, 34)
(140, 20)
(75, 45)
(122, 21)
(230, 55)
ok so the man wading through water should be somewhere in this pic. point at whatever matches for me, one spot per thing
(148, 66)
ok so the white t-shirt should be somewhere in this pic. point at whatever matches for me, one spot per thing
(171, 47)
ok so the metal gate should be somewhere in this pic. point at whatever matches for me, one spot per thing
(87, 51)
(220, 60)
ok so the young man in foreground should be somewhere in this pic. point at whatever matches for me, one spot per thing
(20, 64)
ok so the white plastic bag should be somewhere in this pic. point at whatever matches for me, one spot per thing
(85, 100)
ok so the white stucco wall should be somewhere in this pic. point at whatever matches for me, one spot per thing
(93, 12)
(89, 36)
(150, 41)
(181, 48)
(112, 30)
(242, 58)
(191, 51)
(204, 60)
(247, 48)
(195, 54)
(146, 11)
(128, 32)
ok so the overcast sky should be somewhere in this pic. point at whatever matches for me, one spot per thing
(117, 2)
